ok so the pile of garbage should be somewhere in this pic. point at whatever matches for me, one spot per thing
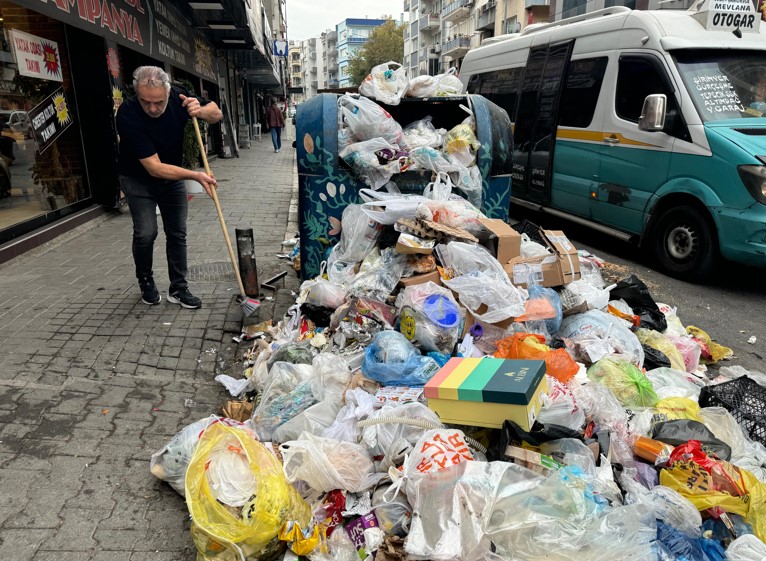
(454, 388)
(376, 147)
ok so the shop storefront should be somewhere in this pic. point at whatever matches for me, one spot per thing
(65, 67)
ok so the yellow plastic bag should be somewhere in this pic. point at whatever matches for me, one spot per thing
(679, 408)
(710, 483)
(218, 532)
(658, 341)
(712, 352)
(461, 142)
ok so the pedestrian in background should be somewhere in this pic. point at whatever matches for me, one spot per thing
(151, 130)
(276, 122)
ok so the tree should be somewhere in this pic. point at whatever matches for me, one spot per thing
(386, 43)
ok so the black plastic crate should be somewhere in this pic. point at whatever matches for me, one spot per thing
(530, 229)
(745, 399)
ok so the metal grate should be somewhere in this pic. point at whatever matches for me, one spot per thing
(211, 272)
(752, 132)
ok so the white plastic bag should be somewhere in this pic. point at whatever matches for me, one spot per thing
(386, 82)
(359, 405)
(746, 548)
(477, 290)
(596, 298)
(324, 293)
(393, 440)
(369, 120)
(169, 463)
(358, 236)
(668, 382)
(331, 376)
(669, 505)
(315, 420)
(462, 258)
(387, 210)
(441, 85)
(326, 464)
(607, 328)
(423, 133)
(440, 188)
(560, 406)
(231, 480)
(363, 160)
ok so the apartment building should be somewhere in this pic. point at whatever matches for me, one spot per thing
(295, 66)
(441, 32)
(309, 67)
(352, 35)
(329, 41)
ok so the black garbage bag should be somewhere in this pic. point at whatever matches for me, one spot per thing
(654, 358)
(513, 435)
(318, 314)
(637, 295)
(681, 431)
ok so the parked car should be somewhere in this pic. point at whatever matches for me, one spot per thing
(18, 121)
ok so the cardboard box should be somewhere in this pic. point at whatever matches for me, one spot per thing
(504, 242)
(537, 462)
(555, 269)
(485, 392)
(433, 276)
(470, 320)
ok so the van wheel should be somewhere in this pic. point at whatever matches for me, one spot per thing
(684, 243)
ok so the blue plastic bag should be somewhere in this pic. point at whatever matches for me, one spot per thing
(686, 548)
(393, 361)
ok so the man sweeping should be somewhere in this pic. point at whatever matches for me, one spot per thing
(151, 129)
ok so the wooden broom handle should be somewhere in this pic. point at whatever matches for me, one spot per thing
(218, 208)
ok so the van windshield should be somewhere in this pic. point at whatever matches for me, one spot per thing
(724, 84)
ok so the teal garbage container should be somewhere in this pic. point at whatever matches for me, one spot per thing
(327, 185)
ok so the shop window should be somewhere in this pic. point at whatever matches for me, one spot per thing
(36, 179)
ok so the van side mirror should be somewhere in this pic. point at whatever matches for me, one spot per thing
(653, 113)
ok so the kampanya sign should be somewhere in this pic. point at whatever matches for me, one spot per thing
(153, 27)
(106, 14)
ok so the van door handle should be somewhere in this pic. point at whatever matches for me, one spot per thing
(612, 139)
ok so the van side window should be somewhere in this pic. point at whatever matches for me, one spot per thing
(639, 76)
(581, 91)
(500, 87)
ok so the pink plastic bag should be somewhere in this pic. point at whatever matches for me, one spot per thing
(690, 350)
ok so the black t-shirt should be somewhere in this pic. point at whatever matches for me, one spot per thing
(142, 136)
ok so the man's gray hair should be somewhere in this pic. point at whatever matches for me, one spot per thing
(152, 76)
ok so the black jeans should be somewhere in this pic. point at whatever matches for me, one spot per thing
(143, 197)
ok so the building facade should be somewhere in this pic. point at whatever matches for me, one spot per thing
(352, 35)
(65, 68)
(329, 40)
(296, 73)
(441, 32)
(309, 67)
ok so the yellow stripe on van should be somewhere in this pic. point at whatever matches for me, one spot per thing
(599, 136)
(592, 136)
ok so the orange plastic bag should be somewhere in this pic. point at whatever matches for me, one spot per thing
(531, 346)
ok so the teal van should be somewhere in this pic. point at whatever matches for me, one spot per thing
(646, 125)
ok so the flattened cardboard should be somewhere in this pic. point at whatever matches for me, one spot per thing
(555, 269)
(504, 242)
(433, 276)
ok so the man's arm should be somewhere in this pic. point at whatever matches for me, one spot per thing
(157, 169)
(208, 112)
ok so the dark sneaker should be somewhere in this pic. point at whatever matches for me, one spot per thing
(185, 298)
(149, 293)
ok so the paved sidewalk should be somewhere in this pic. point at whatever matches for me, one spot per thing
(92, 381)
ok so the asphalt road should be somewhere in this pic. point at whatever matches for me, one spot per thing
(730, 306)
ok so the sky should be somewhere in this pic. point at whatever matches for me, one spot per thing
(309, 18)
